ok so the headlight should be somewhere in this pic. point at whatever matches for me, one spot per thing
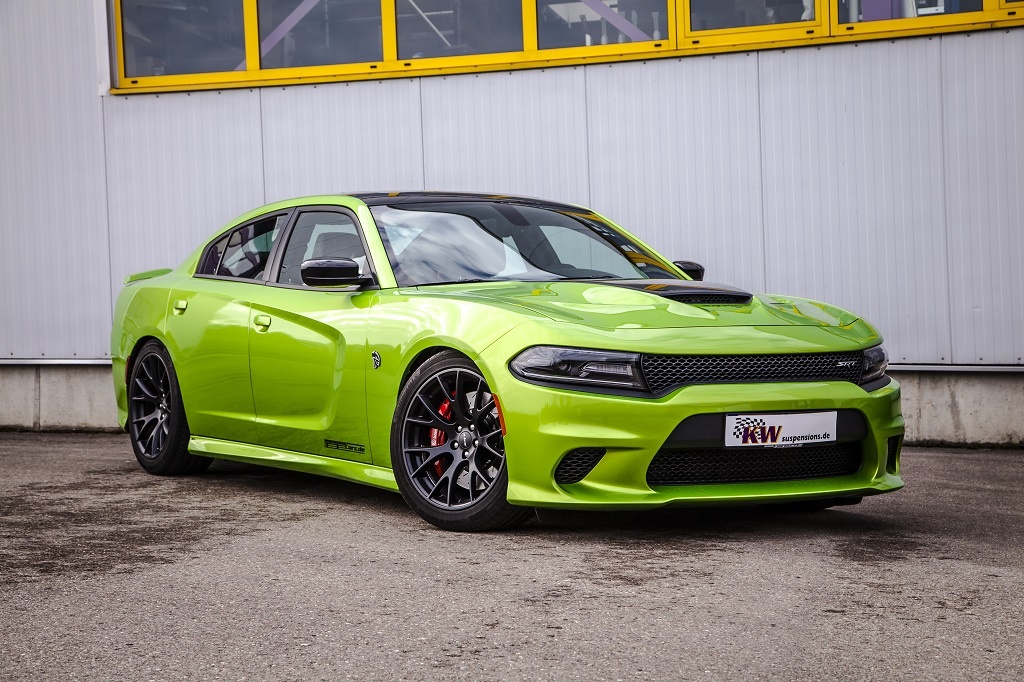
(874, 363)
(602, 368)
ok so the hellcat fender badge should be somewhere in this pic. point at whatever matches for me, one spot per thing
(376, 359)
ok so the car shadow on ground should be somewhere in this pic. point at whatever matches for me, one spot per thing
(119, 518)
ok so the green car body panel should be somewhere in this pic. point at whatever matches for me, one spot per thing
(316, 388)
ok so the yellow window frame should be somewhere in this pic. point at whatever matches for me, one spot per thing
(917, 25)
(745, 35)
(580, 53)
(681, 40)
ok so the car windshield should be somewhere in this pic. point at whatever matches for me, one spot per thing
(470, 241)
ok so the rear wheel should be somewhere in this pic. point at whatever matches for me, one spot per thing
(447, 448)
(156, 418)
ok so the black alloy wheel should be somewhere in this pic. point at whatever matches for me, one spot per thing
(448, 451)
(156, 417)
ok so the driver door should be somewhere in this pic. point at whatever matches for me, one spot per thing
(307, 346)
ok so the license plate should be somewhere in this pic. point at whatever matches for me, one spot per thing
(779, 430)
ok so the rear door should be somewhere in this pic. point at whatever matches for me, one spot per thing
(208, 330)
(308, 350)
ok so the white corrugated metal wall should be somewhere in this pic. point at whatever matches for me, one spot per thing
(884, 176)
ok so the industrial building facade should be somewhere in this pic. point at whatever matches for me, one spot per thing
(880, 168)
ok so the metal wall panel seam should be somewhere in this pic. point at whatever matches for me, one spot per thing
(263, 144)
(423, 140)
(106, 195)
(587, 146)
(946, 212)
(761, 174)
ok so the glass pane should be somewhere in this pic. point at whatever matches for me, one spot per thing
(600, 22)
(174, 36)
(316, 32)
(501, 242)
(209, 263)
(707, 15)
(321, 235)
(851, 11)
(441, 28)
(248, 249)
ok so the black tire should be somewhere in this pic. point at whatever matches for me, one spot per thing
(447, 449)
(156, 417)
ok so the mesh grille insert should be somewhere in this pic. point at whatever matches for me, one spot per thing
(576, 464)
(712, 299)
(671, 371)
(749, 465)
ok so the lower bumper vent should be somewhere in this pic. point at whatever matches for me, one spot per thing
(892, 460)
(576, 464)
(749, 465)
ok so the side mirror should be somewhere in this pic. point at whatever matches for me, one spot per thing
(694, 271)
(331, 272)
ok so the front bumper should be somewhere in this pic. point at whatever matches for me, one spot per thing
(543, 424)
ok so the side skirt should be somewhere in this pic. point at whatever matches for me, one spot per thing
(296, 461)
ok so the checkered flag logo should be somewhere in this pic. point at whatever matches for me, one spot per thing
(744, 422)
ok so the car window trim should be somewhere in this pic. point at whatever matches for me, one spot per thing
(274, 268)
(262, 279)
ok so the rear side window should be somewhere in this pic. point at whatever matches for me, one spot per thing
(243, 253)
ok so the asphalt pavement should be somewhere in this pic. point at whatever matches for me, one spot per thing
(248, 573)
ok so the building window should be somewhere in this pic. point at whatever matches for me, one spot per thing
(708, 15)
(600, 22)
(318, 32)
(165, 37)
(443, 28)
(852, 11)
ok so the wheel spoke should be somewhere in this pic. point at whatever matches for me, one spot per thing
(149, 392)
(435, 418)
(458, 412)
(474, 469)
(433, 455)
(149, 441)
(146, 418)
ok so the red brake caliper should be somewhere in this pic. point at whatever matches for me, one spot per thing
(437, 436)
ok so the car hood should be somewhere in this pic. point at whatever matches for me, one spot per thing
(651, 304)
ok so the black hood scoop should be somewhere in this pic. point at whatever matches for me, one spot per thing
(683, 291)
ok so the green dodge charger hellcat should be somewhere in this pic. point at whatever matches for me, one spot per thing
(487, 355)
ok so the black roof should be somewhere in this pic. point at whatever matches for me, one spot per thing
(398, 198)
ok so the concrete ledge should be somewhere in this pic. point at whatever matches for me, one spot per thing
(949, 408)
(57, 398)
(963, 408)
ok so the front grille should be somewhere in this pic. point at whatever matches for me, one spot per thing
(576, 464)
(712, 299)
(664, 372)
(749, 465)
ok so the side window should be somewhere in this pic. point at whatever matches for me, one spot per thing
(247, 249)
(211, 259)
(321, 234)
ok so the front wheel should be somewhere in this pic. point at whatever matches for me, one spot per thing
(447, 448)
(156, 417)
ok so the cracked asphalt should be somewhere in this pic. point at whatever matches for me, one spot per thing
(247, 573)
